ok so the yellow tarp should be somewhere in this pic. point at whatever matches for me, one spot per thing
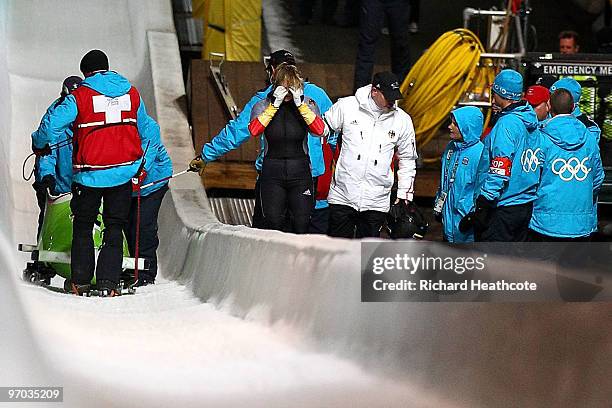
(232, 27)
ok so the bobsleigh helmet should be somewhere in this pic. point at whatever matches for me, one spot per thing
(405, 220)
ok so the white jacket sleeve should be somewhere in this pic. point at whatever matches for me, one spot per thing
(334, 119)
(407, 153)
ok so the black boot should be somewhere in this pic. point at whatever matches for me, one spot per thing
(80, 290)
(127, 278)
(107, 288)
(144, 280)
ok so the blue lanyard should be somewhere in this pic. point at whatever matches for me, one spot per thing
(454, 172)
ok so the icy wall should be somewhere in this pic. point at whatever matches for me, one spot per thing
(474, 354)
(19, 356)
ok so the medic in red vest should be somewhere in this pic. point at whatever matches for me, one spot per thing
(105, 131)
(114, 140)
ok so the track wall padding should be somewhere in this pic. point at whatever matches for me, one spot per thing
(476, 354)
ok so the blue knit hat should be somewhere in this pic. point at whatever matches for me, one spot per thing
(573, 87)
(569, 84)
(509, 85)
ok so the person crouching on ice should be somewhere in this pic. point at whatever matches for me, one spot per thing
(111, 133)
(455, 197)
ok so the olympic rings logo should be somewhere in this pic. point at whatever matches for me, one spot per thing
(571, 169)
(529, 160)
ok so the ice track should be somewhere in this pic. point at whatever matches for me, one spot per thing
(163, 347)
(245, 317)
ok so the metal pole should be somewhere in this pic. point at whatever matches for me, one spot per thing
(500, 55)
(519, 35)
(468, 12)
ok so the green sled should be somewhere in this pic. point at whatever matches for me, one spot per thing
(56, 232)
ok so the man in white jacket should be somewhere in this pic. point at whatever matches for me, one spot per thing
(372, 127)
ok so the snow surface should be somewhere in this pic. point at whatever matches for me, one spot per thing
(242, 316)
(164, 346)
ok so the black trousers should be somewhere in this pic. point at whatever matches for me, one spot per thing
(371, 20)
(286, 185)
(41, 199)
(319, 221)
(507, 224)
(328, 10)
(148, 240)
(534, 236)
(85, 205)
(415, 10)
(258, 219)
(346, 222)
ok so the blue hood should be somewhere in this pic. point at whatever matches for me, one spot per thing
(524, 112)
(565, 131)
(470, 122)
(108, 83)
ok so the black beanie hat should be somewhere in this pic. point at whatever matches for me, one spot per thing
(94, 60)
(70, 84)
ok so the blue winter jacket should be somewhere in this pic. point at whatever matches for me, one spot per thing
(161, 167)
(571, 175)
(595, 132)
(59, 163)
(54, 127)
(502, 175)
(236, 132)
(461, 160)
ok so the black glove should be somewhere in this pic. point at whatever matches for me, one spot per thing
(467, 222)
(44, 151)
(46, 183)
(437, 216)
(197, 165)
(401, 205)
(405, 220)
(482, 213)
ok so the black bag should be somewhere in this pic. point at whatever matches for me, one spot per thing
(405, 220)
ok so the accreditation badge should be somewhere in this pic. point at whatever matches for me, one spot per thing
(437, 210)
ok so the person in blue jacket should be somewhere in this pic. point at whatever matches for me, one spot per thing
(53, 172)
(455, 197)
(112, 134)
(571, 85)
(150, 202)
(236, 132)
(571, 174)
(507, 178)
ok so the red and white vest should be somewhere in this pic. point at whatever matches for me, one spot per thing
(105, 130)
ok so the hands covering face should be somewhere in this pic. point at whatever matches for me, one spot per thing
(279, 95)
(298, 95)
